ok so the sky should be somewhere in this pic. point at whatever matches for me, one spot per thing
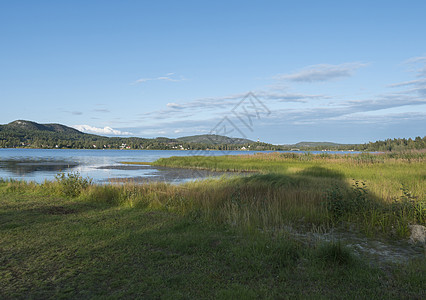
(278, 71)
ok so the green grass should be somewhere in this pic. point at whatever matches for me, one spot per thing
(53, 246)
(217, 238)
(385, 173)
(377, 193)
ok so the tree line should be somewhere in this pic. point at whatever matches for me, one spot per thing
(50, 140)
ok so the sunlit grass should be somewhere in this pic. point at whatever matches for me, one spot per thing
(384, 173)
(293, 188)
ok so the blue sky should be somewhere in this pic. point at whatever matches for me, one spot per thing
(341, 71)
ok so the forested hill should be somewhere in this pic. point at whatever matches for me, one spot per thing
(21, 125)
(29, 134)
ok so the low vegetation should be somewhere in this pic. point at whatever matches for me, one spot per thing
(216, 238)
(380, 193)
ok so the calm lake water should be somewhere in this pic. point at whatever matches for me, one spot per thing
(101, 165)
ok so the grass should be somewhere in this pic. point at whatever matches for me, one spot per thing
(386, 173)
(380, 193)
(217, 238)
(54, 246)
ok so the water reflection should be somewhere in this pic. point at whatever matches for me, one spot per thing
(25, 167)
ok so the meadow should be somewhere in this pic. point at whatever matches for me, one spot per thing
(379, 193)
(226, 238)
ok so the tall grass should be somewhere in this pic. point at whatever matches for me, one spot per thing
(306, 196)
(384, 173)
(379, 192)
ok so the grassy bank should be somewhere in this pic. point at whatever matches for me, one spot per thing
(385, 173)
(70, 239)
(224, 238)
(381, 193)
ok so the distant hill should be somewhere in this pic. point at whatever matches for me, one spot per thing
(213, 139)
(22, 125)
(22, 133)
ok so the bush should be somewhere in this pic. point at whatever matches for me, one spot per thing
(334, 202)
(409, 207)
(355, 202)
(72, 184)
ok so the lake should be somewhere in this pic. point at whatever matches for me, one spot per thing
(102, 165)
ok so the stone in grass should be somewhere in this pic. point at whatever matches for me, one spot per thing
(418, 234)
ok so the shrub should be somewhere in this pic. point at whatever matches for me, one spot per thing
(409, 207)
(360, 201)
(72, 184)
(353, 203)
(334, 201)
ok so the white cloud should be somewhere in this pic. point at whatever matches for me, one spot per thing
(289, 97)
(422, 72)
(418, 65)
(75, 113)
(101, 110)
(167, 77)
(414, 60)
(322, 72)
(340, 111)
(198, 111)
(227, 102)
(294, 108)
(174, 106)
(415, 86)
(106, 130)
(408, 83)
